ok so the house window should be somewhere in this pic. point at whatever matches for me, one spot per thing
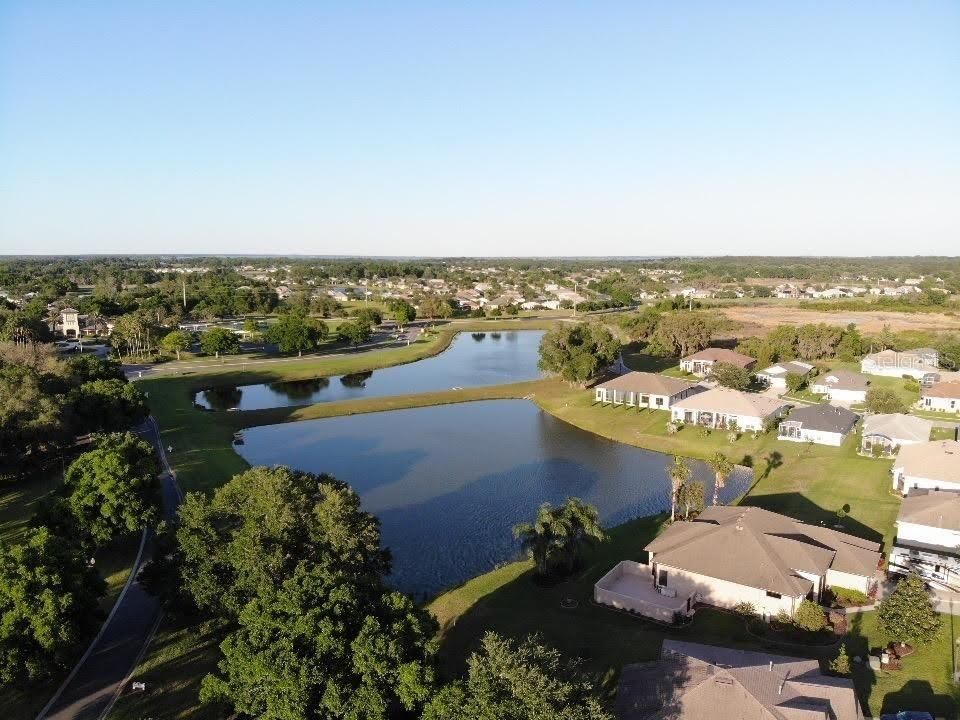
(644, 399)
(771, 594)
(659, 402)
(662, 578)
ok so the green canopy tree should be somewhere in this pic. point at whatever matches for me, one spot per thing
(884, 400)
(522, 681)
(219, 341)
(48, 606)
(32, 420)
(907, 614)
(354, 332)
(177, 341)
(690, 496)
(298, 567)
(295, 332)
(730, 375)
(403, 313)
(113, 490)
(106, 406)
(578, 353)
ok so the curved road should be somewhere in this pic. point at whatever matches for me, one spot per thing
(93, 686)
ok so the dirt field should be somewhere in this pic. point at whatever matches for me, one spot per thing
(759, 319)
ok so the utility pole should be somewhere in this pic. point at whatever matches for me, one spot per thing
(184, 293)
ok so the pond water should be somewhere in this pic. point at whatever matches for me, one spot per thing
(449, 482)
(472, 360)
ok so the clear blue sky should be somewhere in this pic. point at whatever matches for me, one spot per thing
(507, 128)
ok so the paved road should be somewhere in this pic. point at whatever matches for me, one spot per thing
(90, 691)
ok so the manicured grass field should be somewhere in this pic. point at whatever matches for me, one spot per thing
(20, 500)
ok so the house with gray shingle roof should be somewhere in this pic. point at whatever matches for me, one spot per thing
(841, 386)
(694, 682)
(822, 424)
(930, 465)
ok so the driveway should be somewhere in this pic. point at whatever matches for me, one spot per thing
(90, 690)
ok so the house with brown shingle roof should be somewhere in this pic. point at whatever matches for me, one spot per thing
(701, 363)
(725, 408)
(644, 389)
(942, 397)
(733, 555)
(695, 682)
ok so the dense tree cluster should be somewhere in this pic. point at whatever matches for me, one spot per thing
(578, 353)
(46, 401)
(907, 614)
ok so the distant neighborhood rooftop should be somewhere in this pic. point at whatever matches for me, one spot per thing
(844, 380)
(943, 389)
(693, 682)
(785, 368)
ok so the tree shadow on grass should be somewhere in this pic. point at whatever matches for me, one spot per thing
(799, 507)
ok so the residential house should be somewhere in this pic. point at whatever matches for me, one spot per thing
(725, 408)
(696, 682)
(942, 397)
(932, 465)
(69, 324)
(910, 363)
(645, 390)
(928, 537)
(841, 386)
(775, 376)
(731, 555)
(886, 434)
(338, 295)
(822, 424)
(701, 363)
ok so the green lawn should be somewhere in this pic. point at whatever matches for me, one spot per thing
(20, 500)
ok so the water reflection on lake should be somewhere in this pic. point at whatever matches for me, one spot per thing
(449, 482)
(472, 360)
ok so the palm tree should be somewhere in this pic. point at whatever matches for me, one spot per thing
(558, 534)
(540, 537)
(678, 473)
(581, 523)
(722, 467)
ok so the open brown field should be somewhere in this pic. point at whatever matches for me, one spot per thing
(759, 319)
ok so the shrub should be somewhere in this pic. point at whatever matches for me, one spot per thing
(847, 597)
(783, 618)
(672, 428)
(809, 617)
(746, 609)
(840, 665)
(705, 432)
(733, 436)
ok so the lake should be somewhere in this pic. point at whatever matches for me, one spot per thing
(449, 482)
(472, 360)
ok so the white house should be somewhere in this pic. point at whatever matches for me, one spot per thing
(912, 363)
(69, 323)
(841, 386)
(725, 408)
(645, 390)
(941, 397)
(821, 424)
(701, 363)
(886, 434)
(735, 554)
(930, 465)
(928, 537)
(775, 376)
